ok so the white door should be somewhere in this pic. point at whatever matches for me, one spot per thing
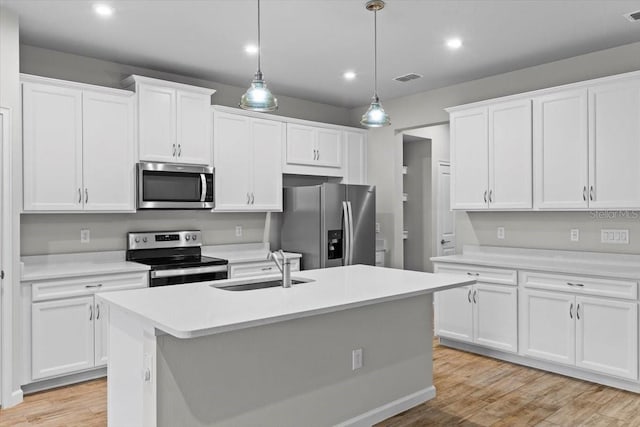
(548, 326)
(454, 312)
(607, 336)
(446, 244)
(61, 336)
(495, 322)
(157, 123)
(560, 150)
(52, 144)
(108, 152)
(329, 148)
(3, 136)
(301, 145)
(510, 163)
(101, 330)
(232, 158)
(469, 159)
(614, 145)
(355, 158)
(266, 167)
(193, 128)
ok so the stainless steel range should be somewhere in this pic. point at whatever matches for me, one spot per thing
(175, 257)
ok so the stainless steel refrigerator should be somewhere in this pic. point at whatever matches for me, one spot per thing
(330, 224)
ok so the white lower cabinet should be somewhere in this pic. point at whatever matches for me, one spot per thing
(592, 333)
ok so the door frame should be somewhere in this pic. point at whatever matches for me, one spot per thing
(6, 260)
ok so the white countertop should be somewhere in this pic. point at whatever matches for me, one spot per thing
(39, 267)
(572, 262)
(244, 252)
(188, 311)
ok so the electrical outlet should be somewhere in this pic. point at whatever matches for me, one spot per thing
(500, 233)
(85, 235)
(238, 231)
(356, 359)
(575, 235)
(614, 236)
(377, 227)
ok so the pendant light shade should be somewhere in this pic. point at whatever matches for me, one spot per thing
(375, 116)
(258, 97)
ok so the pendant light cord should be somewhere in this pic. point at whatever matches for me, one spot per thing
(375, 53)
(259, 48)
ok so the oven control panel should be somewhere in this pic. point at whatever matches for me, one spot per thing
(170, 239)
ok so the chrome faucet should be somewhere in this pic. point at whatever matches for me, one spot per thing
(284, 267)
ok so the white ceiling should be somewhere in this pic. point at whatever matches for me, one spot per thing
(308, 44)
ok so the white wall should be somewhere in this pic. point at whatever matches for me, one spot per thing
(426, 108)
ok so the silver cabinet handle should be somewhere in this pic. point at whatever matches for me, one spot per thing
(267, 268)
(571, 311)
(469, 295)
(578, 312)
(318, 155)
(592, 195)
(442, 242)
(174, 150)
(99, 285)
(580, 285)
(253, 198)
(315, 154)
(490, 196)
(584, 193)
(472, 274)
(248, 198)
(91, 312)
(475, 294)
(79, 196)
(97, 311)
(179, 150)
(485, 196)
(86, 195)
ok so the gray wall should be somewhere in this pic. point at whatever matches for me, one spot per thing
(523, 229)
(46, 233)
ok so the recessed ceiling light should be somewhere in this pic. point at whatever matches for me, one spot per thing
(251, 49)
(349, 75)
(103, 10)
(454, 43)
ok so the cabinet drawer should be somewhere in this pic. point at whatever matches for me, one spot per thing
(258, 268)
(87, 285)
(481, 274)
(615, 288)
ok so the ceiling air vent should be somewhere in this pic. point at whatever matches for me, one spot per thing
(633, 16)
(407, 77)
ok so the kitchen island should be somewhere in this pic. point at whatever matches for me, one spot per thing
(199, 355)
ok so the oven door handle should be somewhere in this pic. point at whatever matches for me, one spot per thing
(203, 194)
(187, 271)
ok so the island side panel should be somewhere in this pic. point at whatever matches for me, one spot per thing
(299, 372)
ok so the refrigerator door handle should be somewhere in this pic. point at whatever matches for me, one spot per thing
(351, 242)
(347, 240)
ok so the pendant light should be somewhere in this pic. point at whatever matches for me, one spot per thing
(375, 116)
(258, 97)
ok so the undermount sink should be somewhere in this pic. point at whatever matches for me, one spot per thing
(261, 285)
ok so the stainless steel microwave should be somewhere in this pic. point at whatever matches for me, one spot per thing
(174, 186)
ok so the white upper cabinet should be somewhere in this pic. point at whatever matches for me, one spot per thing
(248, 163)
(174, 123)
(78, 147)
(560, 147)
(491, 153)
(614, 145)
(313, 150)
(355, 157)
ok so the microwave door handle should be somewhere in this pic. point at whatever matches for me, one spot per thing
(203, 194)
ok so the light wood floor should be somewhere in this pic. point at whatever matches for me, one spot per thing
(472, 391)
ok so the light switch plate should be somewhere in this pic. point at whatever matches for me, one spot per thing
(238, 231)
(85, 235)
(500, 233)
(617, 236)
(356, 359)
(575, 235)
(377, 227)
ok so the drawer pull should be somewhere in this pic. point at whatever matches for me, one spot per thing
(580, 285)
(267, 268)
(99, 285)
(473, 274)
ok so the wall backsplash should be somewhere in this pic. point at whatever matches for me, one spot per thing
(551, 230)
(60, 233)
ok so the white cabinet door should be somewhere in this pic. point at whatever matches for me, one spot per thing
(469, 159)
(548, 326)
(232, 159)
(607, 336)
(108, 152)
(355, 158)
(52, 121)
(560, 150)
(101, 329)
(495, 322)
(157, 123)
(328, 147)
(614, 145)
(301, 145)
(510, 151)
(55, 349)
(454, 311)
(193, 128)
(266, 165)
